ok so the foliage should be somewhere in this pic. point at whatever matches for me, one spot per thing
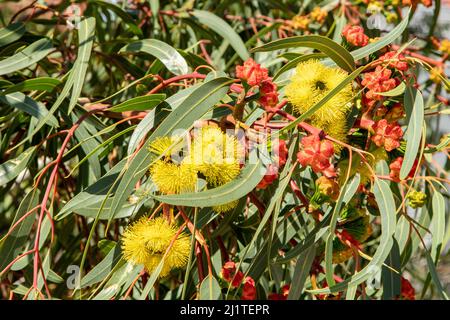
(114, 112)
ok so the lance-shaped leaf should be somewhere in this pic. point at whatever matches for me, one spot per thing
(34, 108)
(11, 33)
(219, 26)
(415, 116)
(30, 55)
(386, 204)
(139, 103)
(335, 51)
(391, 277)
(86, 35)
(170, 57)
(250, 176)
(12, 168)
(39, 84)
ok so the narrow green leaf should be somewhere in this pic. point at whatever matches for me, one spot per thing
(30, 55)
(93, 194)
(347, 193)
(437, 225)
(34, 108)
(250, 176)
(383, 41)
(142, 103)
(39, 84)
(415, 115)
(301, 273)
(170, 57)
(11, 33)
(10, 169)
(335, 51)
(126, 18)
(435, 277)
(12, 246)
(398, 90)
(386, 204)
(222, 28)
(392, 280)
(103, 268)
(86, 35)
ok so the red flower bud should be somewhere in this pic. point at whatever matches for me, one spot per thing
(355, 35)
(249, 289)
(251, 72)
(317, 153)
(228, 270)
(396, 60)
(387, 134)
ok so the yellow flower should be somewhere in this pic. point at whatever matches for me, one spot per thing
(337, 130)
(436, 75)
(170, 174)
(146, 241)
(300, 22)
(166, 147)
(318, 14)
(171, 178)
(216, 155)
(445, 46)
(311, 82)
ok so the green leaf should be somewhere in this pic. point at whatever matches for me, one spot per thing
(11, 33)
(101, 270)
(332, 49)
(24, 103)
(301, 273)
(391, 279)
(93, 194)
(39, 84)
(12, 168)
(250, 176)
(91, 210)
(126, 18)
(12, 246)
(398, 90)
(435, 277)
(437, 225)
(386, 204)
(346, 194)
(143, 128)
(222, 28)
(170, 57)
(210, 289)
(86, 36)
(415, 115)
(142, 103)
(193, 107)
(30, 55)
